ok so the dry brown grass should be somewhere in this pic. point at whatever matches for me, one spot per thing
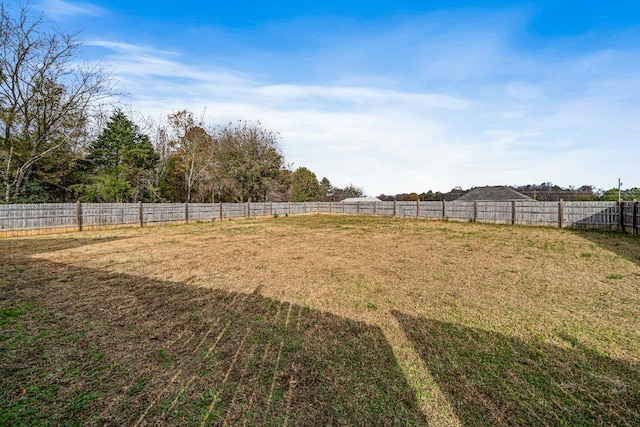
(325, 320)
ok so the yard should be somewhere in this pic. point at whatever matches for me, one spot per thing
(321, 320)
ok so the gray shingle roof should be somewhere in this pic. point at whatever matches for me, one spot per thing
(495, 193)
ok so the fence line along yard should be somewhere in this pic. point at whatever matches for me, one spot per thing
(26, 219)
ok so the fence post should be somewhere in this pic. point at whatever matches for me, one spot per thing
(375, 209)
(357, 208)
(621, 218)
(560, 214)
(513, 212)
(186, 213)
(394, 208)
(475, 211)
(444, 210)
(305, 207)
(248, 208)
(79, 215)
(220, 208)
(140, 214)
(417, 208)
(634, 220)
(270, 208)
(330, 207)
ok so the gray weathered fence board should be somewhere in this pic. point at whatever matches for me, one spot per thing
(460, 211)
(234, 210)
(38, 216)
(384, 208)
(69, 216)
(537, 213)
(431, 210)
(203, 211)
(280, 208)
(161, 213)
(109, 214)
(406, 209)
(591, 214)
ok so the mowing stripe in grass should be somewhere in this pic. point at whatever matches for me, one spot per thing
(154, 401)
(206, 334)
(217, 321)
(263, 360)
(227, 420)
(226, 377)
(192, 336)
(292, 380)
(287, 413)
(236, 299)
(275, 369)
(121, 395)
(174, 402)
(215, 343)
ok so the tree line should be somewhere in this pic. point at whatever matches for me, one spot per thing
(62, 139)
(545, 192)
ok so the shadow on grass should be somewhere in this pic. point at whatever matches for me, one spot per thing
(93, 347)
(624, 245)
(493, 379)
(21, 247)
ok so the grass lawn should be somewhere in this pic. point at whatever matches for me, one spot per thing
(321, 320)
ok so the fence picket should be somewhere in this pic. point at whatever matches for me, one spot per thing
(58, 217)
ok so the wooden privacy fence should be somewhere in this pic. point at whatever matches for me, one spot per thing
(17, 220)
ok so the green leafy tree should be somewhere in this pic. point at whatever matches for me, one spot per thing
(352, 191)
(348, 192)
(305, 186)
(428, 196)
(632, 194)
(248, 160)
(629, 194)
(171, 182)
(327, 189)
(122, 159)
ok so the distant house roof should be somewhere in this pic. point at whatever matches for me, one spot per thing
(495, 193)
(360, 199)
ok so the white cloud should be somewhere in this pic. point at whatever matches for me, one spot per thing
(460, 108)
(60, 8)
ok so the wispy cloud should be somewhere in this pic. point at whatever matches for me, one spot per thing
(134, 61)
(419, 104)
(61, 8)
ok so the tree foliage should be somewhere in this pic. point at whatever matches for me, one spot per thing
(235, 162)
(629, 194)
(327, 189)
(45, 98)
(193, 150)
(249, 160)
(347, 192)
(305, 186)
(121, 160)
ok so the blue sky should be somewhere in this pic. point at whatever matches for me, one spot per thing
(393, 96)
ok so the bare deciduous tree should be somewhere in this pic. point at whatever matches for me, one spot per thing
(45, 97)
(193, 145)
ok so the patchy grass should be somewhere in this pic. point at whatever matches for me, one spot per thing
(321, 320)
